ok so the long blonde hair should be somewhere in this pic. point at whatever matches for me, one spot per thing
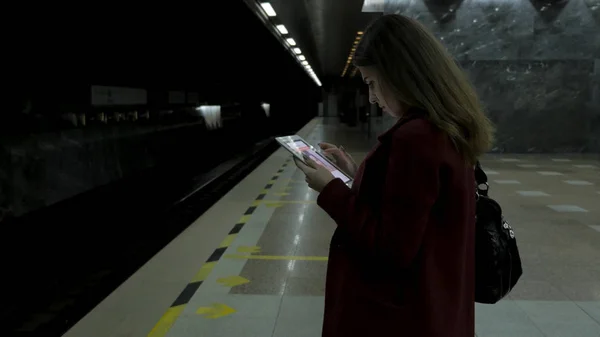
(423, 75)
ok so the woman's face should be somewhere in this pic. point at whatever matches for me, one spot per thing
(379, 93)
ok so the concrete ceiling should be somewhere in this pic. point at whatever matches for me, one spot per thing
(323, 29)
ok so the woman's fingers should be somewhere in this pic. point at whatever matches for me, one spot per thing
(327, 146)
(333, 152)
(311, 163)
(303, 167)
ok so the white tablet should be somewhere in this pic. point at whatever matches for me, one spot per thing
(299, 147)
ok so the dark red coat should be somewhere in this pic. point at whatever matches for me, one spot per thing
(402, 257)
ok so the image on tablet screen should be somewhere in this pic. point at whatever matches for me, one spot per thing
(303, 148)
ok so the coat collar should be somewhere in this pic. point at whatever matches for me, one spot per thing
(411, 114)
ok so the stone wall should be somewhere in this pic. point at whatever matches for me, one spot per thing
(536, 66)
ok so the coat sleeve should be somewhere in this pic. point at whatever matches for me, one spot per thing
(395, 229)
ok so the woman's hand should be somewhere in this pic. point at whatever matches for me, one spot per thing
(317, 176)
(341, 157)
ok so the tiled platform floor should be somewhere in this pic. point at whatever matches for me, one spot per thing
(270, 280)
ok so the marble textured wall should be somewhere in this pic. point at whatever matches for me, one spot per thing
(535, 64)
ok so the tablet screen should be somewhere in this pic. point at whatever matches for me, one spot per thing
(304, 148)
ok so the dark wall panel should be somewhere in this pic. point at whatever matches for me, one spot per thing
(221, 51)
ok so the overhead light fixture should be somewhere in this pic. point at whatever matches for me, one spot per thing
(360, 33)
(268, 9)
(282, 29)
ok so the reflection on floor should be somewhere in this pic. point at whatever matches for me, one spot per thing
(266, 276)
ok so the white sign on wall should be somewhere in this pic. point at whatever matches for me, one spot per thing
(105, 95)
(176, 97)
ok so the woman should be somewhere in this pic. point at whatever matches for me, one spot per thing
(402, 256)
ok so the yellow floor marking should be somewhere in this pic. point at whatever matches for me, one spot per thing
(245, 218)
(283, 202)
(281, 194)
(248, 249)
(232, 281)
(166, 321)
(277, 257)
(202, 274)
(228, 240)
(216, 310)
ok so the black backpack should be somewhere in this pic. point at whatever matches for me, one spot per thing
(497, 260)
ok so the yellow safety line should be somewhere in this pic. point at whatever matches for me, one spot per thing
(276, 257)
(170, 316)
(245, 218)
(204, 271)
(228, 240)
(166, 321)
(289, 202)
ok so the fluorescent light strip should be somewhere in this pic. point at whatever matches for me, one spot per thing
(282, 29)
(291, 42)
(268, 9)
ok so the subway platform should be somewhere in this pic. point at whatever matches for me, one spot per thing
(254, 264)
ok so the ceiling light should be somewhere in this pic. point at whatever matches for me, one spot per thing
(304, 63)
(297, 51)
(301, 57)
(291, 42)
(268, 9)
(360, 33)
(282, 29)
